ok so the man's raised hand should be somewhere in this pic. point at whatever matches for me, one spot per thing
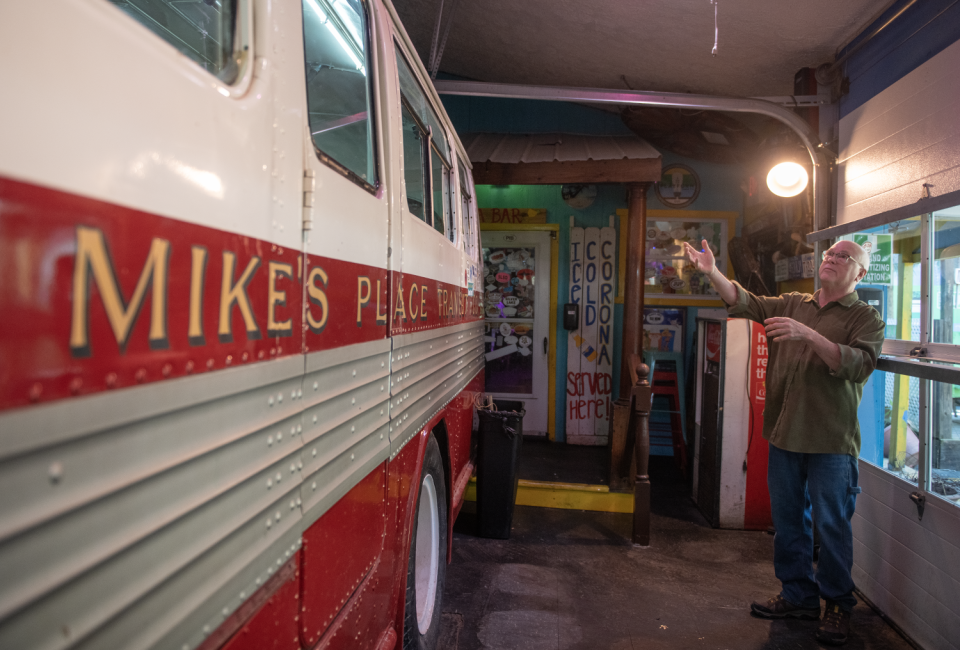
(704, 259)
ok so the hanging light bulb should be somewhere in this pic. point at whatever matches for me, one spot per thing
(787, 179)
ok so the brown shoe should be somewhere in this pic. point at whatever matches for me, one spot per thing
(835, 626)
(780, 607)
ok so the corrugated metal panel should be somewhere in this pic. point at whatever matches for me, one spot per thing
(132, 522)
(906, 136)
(345, 421)
(511, 148)
(429, 369)
(124, 537)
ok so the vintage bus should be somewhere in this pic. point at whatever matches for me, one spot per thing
(241, 339)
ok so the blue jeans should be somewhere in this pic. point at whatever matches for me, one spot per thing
(824, 486)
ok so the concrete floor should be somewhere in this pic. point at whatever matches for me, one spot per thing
(569, 580)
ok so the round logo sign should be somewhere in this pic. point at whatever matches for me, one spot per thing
(503, 276)
(679, 186)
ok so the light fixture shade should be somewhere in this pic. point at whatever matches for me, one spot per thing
(787, 179)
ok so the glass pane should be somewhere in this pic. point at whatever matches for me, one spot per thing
(413, 173)
(946, 276)
(945, 447)
(203, 31)
(509, 282)
(509, 358)
(339, 100)
(441, 193)
(889, 418)
(410, 89)
(892, 283)
(667, 271)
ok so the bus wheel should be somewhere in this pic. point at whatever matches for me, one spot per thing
(427, 566)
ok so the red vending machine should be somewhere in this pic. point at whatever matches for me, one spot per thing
(730, 454)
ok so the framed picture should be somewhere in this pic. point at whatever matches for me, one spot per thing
(669, 279)
(663, 329)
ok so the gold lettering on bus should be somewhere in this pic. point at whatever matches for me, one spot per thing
(276, 297)
(93, 258)
(198, 274)
(381, 317)
(423, 302)
(363, 282)
(236, 294)
(400, 311)
(413, 302)
(317, 296)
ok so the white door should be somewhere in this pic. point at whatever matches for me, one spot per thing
(516, 268)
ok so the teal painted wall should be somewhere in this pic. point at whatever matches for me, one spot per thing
(720, 191)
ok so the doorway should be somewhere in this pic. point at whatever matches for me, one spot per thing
(517, 268)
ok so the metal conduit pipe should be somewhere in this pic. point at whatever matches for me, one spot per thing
(815, 149)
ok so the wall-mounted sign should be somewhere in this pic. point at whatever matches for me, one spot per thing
(513, 215)
(679, 186)
(590, 347)
(795, 268)
(663, 329)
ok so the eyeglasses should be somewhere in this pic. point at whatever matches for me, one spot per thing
(842, 258)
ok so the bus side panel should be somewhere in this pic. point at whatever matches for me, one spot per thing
(73, 268)
(404, 481)
(339, 550)
(461, 449)
(271, 627)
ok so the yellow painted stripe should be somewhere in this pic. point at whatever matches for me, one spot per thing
(568, 496)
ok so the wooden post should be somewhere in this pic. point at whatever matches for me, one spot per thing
(640, 423)
(632, 332)
(633, 292)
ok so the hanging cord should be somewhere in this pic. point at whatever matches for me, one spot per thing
(716, 30)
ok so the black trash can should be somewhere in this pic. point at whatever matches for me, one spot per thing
(498, 456)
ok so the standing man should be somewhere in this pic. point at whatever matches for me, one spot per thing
(823, 348)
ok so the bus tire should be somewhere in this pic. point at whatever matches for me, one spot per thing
(427, 565)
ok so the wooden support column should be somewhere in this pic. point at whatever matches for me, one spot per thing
(633, 292)
(631, 346)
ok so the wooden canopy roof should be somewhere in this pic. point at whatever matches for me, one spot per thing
(557, 158)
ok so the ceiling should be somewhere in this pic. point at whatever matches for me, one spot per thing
(657, 45)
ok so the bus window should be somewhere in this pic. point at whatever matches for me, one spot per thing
(441, 194)
(203, 32)
(417, 100)
(413, 172)
(427, 167)
(469, 235)
(339, 96)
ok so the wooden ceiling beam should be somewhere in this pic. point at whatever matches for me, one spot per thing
(572, 171)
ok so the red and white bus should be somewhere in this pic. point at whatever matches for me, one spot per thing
(241, 331)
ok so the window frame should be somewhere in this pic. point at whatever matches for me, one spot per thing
(927, 361)
(374, 97)
(243, 50)
(426, 131)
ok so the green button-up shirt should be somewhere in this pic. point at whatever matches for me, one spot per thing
(810, 408)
